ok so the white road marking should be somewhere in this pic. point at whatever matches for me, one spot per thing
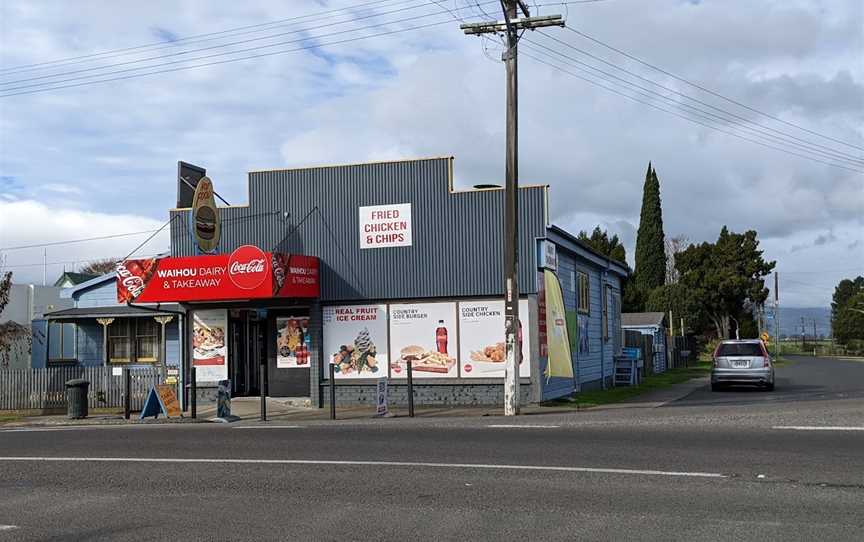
(523, 426)
(268, 427)
(8, 527)
(817, 428)
(88, 427)
(485, 466)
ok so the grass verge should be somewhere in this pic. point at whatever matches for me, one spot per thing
(587, 399)
(8, 418)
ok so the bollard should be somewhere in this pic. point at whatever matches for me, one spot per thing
(410, 366)
(127, 389)
(263, 395)
(193, 393)
(332, 392)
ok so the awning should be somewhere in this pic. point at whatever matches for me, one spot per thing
(119, 311)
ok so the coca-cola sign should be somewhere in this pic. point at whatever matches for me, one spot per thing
(247, 273)
(248, 267)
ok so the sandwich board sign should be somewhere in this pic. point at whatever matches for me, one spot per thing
(161, 400)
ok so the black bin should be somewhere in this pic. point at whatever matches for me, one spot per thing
(76, 398)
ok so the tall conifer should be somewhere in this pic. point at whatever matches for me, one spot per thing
(650, 245)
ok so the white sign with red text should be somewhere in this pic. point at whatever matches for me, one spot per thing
(384, 226)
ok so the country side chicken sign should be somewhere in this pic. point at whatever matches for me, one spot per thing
(246, 273)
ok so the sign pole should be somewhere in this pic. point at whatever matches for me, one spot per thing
(332, 391)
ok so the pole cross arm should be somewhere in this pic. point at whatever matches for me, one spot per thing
(525, 23)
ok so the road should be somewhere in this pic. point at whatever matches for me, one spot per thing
(727, 466)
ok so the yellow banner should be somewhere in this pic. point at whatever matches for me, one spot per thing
(560, 361)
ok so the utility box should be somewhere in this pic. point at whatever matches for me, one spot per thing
(76, 398)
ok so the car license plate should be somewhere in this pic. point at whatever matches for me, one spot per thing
(740, 364)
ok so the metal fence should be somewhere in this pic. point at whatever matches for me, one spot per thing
(45, 389)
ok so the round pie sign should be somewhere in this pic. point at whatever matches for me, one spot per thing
(247, 267)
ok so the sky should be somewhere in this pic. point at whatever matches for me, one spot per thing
(100, 159)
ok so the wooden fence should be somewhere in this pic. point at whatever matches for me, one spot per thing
(45, 389)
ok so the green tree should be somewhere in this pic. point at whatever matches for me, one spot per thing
(650, 259)
(681, 300)
(600, 241)
(847, 310)
(726, 276)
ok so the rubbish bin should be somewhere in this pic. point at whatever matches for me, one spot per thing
(76, 398)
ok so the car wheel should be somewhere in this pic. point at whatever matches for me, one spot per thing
(715, 387)
(769, 387)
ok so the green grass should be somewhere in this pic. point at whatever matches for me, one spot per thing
(8, 418)
(649, 383)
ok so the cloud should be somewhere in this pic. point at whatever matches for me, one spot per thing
(433, 92)
(62, 188)
(29, 222)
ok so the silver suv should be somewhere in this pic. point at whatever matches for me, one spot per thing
(742, 362)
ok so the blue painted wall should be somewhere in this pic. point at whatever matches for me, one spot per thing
(39, 348)
(89, 334)
(589, 369)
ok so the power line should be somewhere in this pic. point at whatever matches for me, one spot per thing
(211, 47)
(249, 57)
(172, 42)
(804, 144)
(72, 241)
(677, 114)
(709, 91)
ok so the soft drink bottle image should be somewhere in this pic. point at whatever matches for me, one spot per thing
(441, 338)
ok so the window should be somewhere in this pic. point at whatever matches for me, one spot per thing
(584, 292)
(61, 341)
(740, 349)
(605, 312)
(133, 340)
(119, 345)
(147, 339)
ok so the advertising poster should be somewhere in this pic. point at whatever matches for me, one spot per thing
(292, 342)
(383, 226)
(355, 340)
(584, 349)
(424, 334)
(481, 348)
(209, 344)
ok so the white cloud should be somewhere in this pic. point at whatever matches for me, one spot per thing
(29, 222)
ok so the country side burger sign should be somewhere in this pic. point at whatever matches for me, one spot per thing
(246, 273)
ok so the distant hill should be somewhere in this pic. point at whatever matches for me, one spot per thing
(790, 321)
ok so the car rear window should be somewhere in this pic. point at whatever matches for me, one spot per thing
(739, 349)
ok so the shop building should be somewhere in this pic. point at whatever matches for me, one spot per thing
(370, 267)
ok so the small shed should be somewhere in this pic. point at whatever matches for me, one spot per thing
(654, 325)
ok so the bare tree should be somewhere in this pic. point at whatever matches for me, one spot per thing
(674, 245)
(99, 267)
(12, 334)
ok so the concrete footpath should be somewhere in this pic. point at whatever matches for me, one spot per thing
(287, 410)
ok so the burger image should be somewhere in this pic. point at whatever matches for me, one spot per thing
(413, 353)
(205, 223)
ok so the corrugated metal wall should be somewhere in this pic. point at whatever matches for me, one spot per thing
(457, 247)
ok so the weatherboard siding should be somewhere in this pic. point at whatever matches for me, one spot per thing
(103, 294)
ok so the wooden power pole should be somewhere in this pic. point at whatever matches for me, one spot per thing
(511, 27)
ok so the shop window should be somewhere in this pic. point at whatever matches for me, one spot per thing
(61, 341)
(133, 340)
(584, 292)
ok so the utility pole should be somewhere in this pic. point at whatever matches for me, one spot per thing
(511, 27)
(803, 334)
(777, 314)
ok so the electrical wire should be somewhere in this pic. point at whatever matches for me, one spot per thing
(72, 241)
(682, 116)
(705, 115)
(709, 91)
(248, 57)
(209, 48)
(808, 145)
(188, 39)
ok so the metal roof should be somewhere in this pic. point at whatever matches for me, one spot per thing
(642, 319)
(120, 311)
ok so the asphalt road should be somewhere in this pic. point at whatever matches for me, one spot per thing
(691, 470)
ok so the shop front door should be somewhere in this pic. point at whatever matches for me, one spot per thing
(248, 352)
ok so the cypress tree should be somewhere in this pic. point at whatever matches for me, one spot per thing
(650, 245)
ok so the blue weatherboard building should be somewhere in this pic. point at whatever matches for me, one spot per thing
(410, 270)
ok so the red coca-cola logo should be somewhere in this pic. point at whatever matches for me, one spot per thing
(247, 267)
